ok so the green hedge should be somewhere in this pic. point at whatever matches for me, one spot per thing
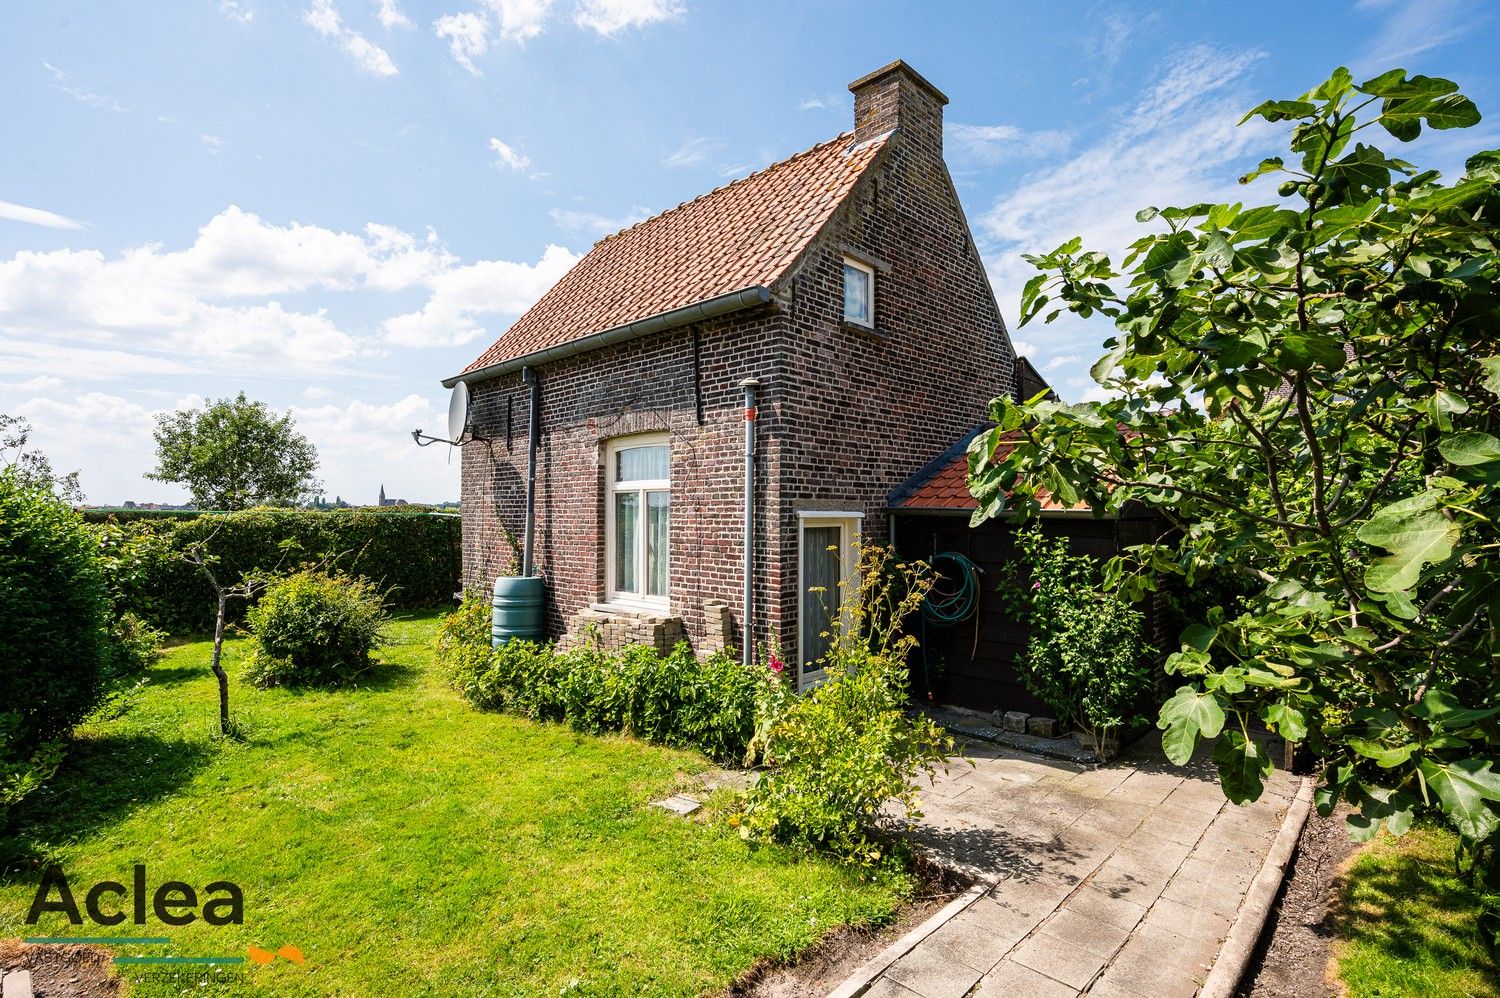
(414, 558)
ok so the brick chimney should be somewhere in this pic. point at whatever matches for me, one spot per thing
(896, 96)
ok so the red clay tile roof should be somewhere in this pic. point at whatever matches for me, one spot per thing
(943, 483)
(741, 235)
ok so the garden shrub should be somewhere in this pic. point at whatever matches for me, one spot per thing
(839, 755)
(674, 699)
(55, 607)
(314, 629)
(54, 641)
(1086, 657)
(414, 557)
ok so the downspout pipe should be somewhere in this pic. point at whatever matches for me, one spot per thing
(534, 433)
(709, 308)
(750, 386)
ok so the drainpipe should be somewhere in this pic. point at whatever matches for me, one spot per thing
(747, 614)
(533, 427)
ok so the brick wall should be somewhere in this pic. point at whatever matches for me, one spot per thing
(845, 414)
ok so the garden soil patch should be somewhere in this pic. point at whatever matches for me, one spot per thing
(62, 971)
(1293, 959)
(825, 966)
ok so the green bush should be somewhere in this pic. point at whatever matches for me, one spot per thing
(414, 558)
(54, 642)
(675, 699)
(1086, 657)
(55, 607)
(840, 754)
(314, 629)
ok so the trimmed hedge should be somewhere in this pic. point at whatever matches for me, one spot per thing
(414, 558)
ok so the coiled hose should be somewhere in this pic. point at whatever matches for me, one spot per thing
(944, 607)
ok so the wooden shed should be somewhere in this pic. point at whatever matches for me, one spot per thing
(972, 664)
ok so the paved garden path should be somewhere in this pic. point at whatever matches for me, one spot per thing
(1121, 880)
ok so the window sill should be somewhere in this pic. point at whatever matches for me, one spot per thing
(628, 609)
(869, 332)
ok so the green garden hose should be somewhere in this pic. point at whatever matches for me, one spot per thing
(944, 607)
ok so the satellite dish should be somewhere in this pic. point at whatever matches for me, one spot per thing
(458, 412)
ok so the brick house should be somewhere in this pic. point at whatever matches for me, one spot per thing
(845, 281)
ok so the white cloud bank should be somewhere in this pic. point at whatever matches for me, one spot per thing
(216, 305)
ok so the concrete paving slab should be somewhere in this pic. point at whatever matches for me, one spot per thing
(1011, 980)
(1121, 880)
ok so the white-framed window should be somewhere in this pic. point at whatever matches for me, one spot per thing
(638, 521)
(859, 293)
(827, 563)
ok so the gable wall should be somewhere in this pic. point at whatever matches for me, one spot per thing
(863, 411)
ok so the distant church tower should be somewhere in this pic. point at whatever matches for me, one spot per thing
(382, 493)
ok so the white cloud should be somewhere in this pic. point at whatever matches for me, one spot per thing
(212, 142)
(506, 156)
(467, 35)
(694, 152)
(363, 445)
(106, 438)
(390, 15)
(594, 224)
(1023, 348)
(236, 11)
(323, 17)
(462, 295)
(1411, 29)
(610, 16)
(80, 94)
(990, 144)
(1061, 360)
(216, 306)
(1178, 144)
(36, 216)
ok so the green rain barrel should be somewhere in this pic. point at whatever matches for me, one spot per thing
(517, 609)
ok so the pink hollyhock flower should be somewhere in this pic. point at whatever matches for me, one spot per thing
(1036, 585)
(776, 664)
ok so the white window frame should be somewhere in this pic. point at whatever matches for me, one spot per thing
(612, 487)
(852, 524)
(869, 272)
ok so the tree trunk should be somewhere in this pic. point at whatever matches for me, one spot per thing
(218, 669)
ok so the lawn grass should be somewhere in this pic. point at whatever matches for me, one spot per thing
(1407, 923)
(410, 845)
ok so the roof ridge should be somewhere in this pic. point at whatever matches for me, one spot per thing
(733, 183)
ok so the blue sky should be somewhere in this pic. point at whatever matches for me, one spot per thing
(332, 204)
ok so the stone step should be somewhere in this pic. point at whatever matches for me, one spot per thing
(16, 984)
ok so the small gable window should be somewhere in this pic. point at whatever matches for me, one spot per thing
(859, 293)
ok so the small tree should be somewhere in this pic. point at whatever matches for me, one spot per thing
(248, 587)
(234, 454)
(1310, 392)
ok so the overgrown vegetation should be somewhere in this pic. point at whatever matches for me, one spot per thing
(54, 630)
(1310, 392)
(1086, 656)
(840, 754)
(413, 558)
(313, 628)
(674, 699)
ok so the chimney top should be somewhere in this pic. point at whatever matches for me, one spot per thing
(896, 97)
(906, 72)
